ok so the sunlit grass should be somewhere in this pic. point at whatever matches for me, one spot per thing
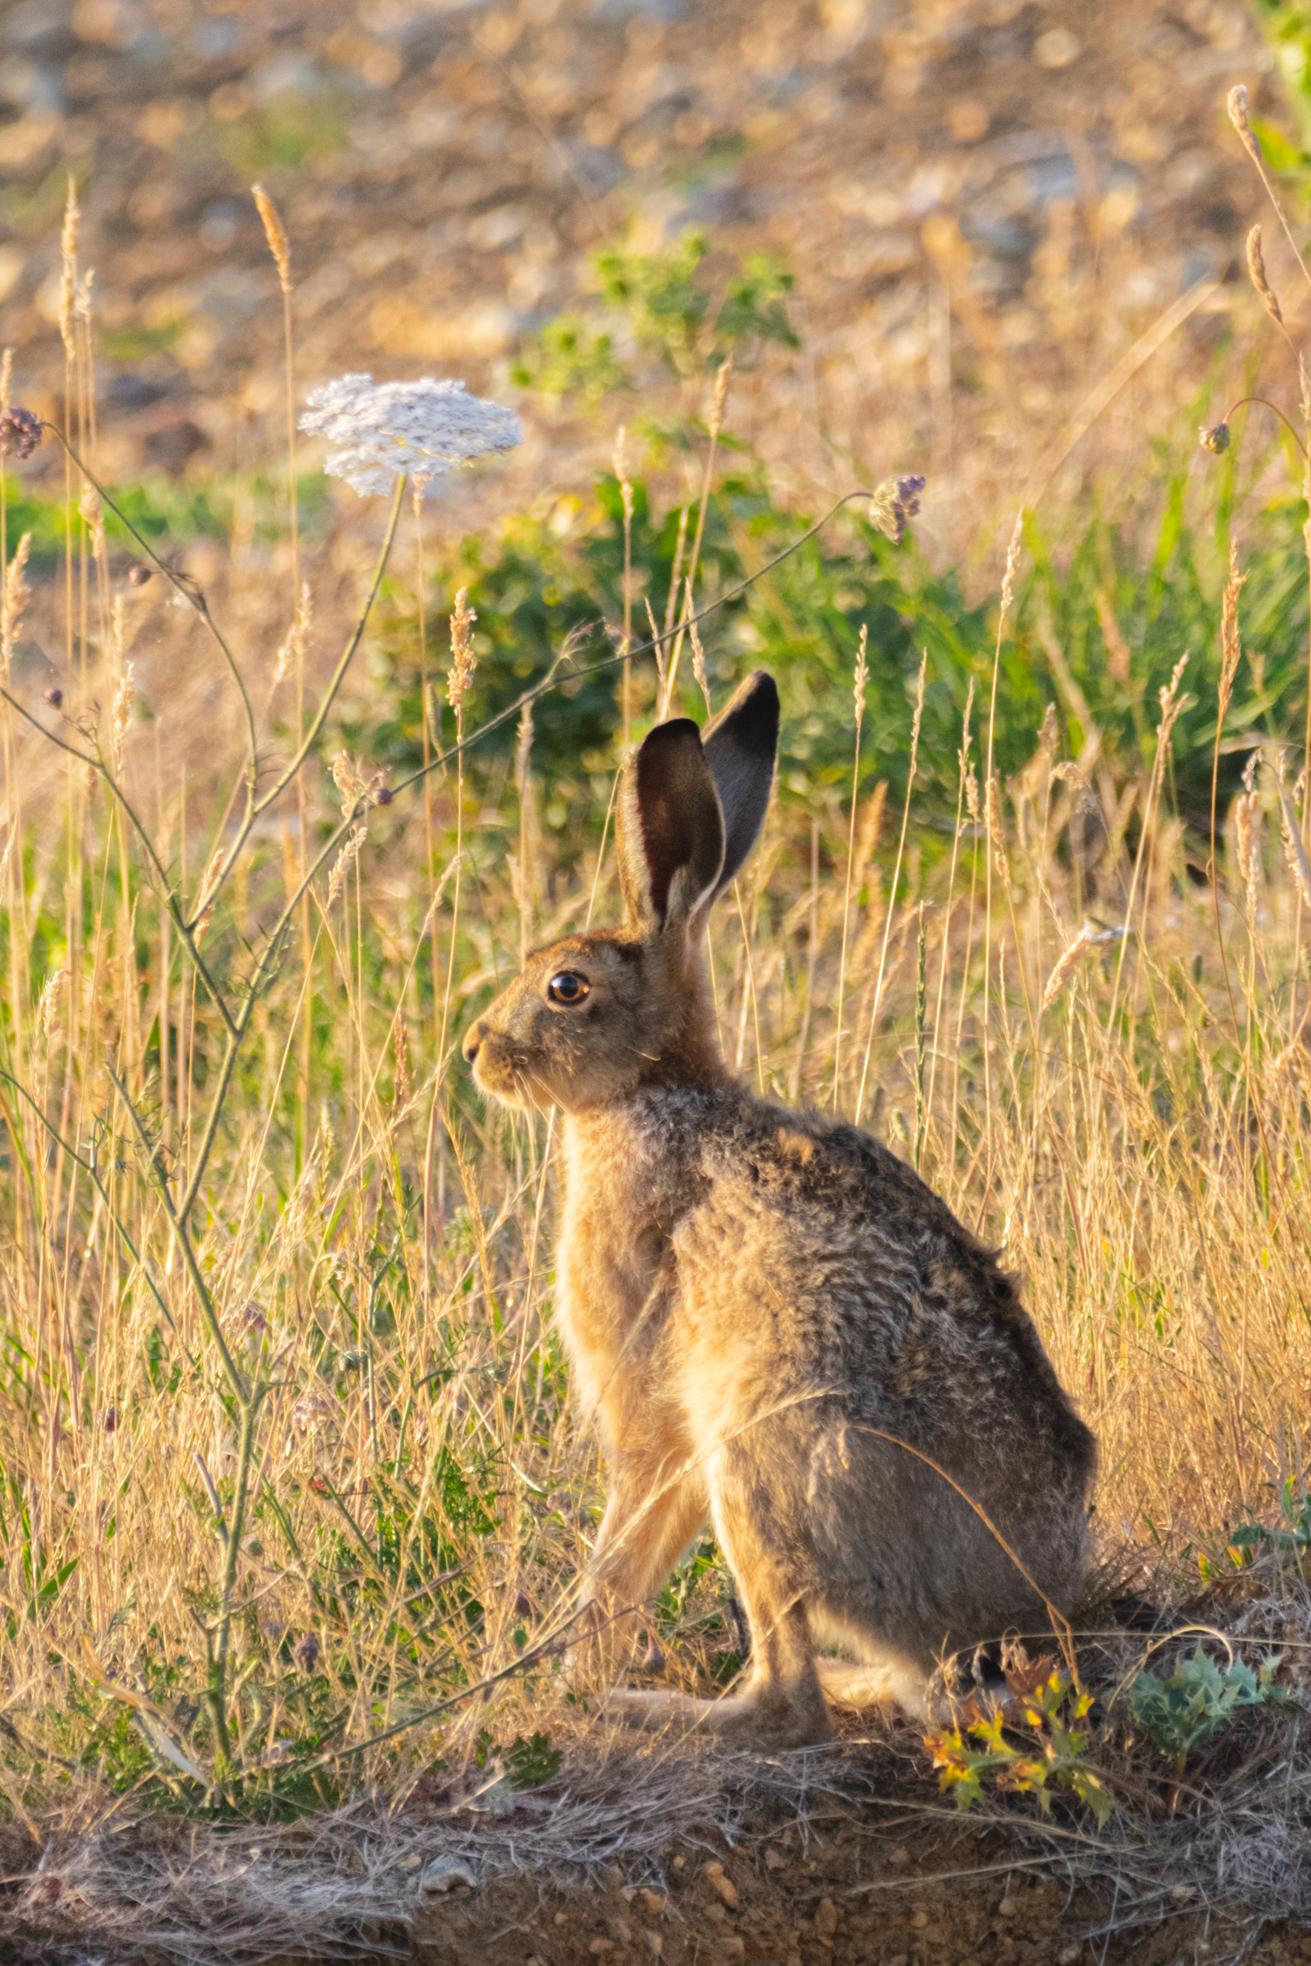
(288, 1479)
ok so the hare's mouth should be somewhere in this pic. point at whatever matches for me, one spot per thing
(498, 1072)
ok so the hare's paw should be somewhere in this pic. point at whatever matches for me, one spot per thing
(763, 1722)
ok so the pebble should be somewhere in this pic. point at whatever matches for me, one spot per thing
(443, 1874)
(1069, 1956)
(722, 1885)
(600, 1947)
(651, 1901)
(1008, 1907)
(655, 1943)
(919, 1919)
(774, 1859)
(733, 1947)
(826, 1919)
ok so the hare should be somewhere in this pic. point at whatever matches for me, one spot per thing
(776, 1327)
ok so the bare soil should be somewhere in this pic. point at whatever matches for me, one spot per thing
(845, 1896)
(836, 1892)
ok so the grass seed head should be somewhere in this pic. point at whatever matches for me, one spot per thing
(13, 603)
(1259, 278)
(463, 659)
(349, 781)
(68, 272)
(345, 860)
(275, 233)
(291, 650)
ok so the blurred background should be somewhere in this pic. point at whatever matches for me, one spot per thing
(983, 206)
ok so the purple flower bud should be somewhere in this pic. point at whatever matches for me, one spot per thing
(1215, 439)
(895, 503)
(20, 432)
(307, 1653)
(908, 493)
(54, 696)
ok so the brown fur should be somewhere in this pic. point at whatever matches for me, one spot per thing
(773, 1324)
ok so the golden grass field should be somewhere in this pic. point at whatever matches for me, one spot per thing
(293, 1510)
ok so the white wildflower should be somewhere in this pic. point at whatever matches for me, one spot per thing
(423, 429)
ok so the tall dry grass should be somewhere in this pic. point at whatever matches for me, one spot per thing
(286, 1464)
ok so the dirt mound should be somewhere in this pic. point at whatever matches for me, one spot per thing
(839, 1894)
(677, 1855)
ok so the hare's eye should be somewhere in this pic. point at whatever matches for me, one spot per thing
(567, 986)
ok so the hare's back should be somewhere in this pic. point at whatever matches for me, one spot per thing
(814, 1246)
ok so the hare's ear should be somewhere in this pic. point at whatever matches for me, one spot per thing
(670, 829)
(740, 746)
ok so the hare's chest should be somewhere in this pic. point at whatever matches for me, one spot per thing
(614, 1268)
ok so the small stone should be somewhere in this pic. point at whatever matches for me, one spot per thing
(561, 1918)
(919, 1919)
(774, 1859)
(652, 1902)
(655, 1944)
(717, 1914)
(899, 1858)
(733, 1947)
(443, 1874)
(1181, 1893)
(600, 1947)
(826, 1919)
(614, 1877)
(680, 1861)
(1008, 1907)
(1069, 1956)
(722, 1885)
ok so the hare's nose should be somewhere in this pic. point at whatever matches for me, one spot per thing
(473, 1037)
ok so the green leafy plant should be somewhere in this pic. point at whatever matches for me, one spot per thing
(668, 304)
(569, 357)
(1044, 1753)
(526, 1763)
(1287, 26)
(1290, 1539)
(1180, 1710)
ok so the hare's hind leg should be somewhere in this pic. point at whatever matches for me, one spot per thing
(889, 1682)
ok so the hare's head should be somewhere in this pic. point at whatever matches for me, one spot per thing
(594, 1016)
